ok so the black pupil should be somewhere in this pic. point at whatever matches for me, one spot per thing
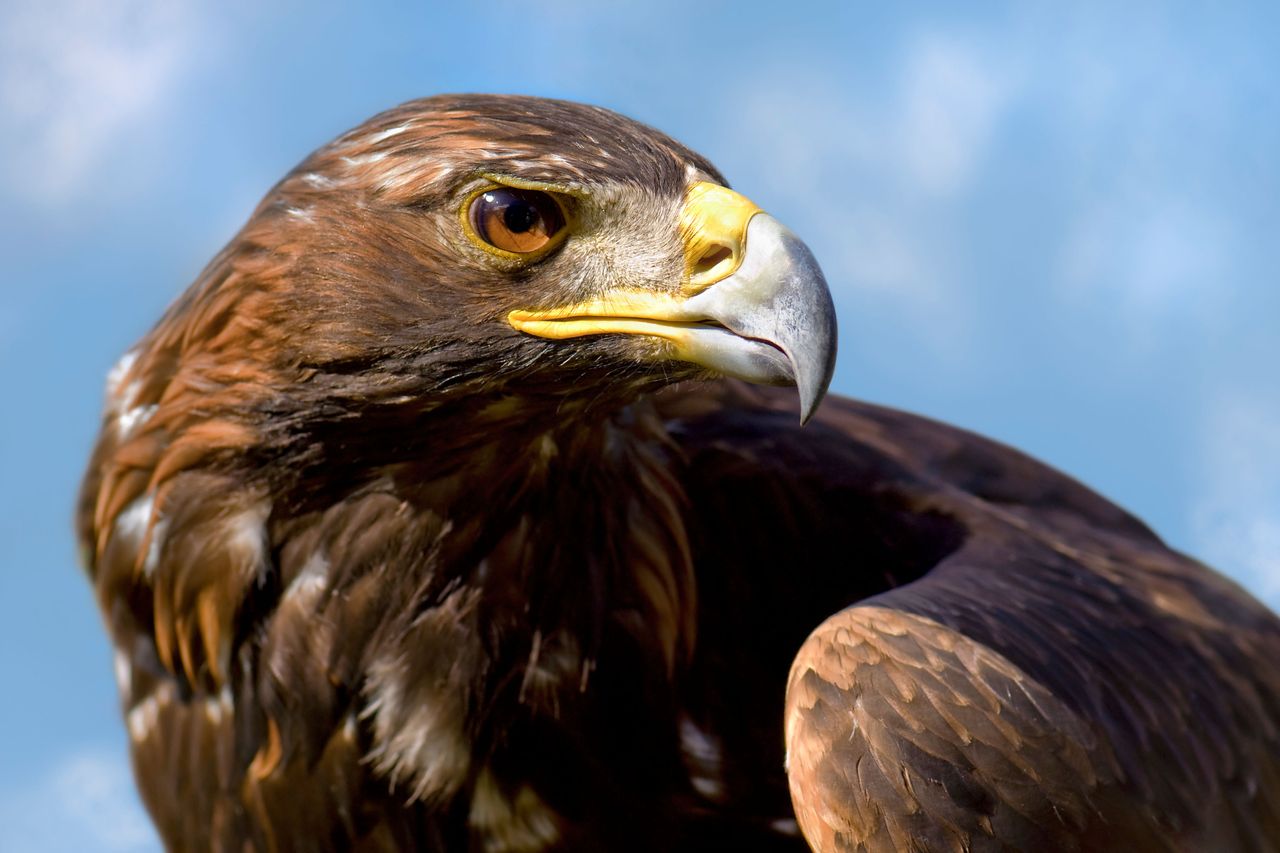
(519, 216)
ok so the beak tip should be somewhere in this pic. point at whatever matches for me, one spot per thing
(808, 408)
(816, 362)
(811, 399)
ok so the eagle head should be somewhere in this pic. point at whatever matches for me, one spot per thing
(487, 245)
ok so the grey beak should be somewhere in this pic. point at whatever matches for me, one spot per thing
(778, 306)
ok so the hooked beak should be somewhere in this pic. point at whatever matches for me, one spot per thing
(754, 304)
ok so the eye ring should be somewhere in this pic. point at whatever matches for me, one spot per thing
(515, 223)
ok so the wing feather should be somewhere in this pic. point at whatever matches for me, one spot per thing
(1005, 661)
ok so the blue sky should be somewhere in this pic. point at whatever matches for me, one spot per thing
(1055, 224)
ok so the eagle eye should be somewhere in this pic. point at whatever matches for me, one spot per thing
(516, 221)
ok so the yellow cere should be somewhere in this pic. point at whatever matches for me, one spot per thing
(713, 223)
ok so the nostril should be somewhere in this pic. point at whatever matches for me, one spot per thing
(715, 255)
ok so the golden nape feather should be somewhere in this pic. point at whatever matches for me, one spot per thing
(451, 509)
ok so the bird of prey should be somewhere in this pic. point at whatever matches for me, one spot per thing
(461, 504)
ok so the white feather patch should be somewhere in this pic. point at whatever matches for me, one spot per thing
(520, 824)
(383, 135)
(130, 419)
(141, 719)
(220, 706)
(703, 759)
(349, 731)
(246, 532)
(312, 580)
(424, 741)
(124, 671)
(785, 826)
(318, 182)
(132, 521)
(365, 159)
(115, 377)
(158, 531)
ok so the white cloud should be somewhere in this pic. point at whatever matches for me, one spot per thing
(953, 96)
(1148, 253)
(880, 165)
(927, 134)
(1236, 522)
(86, 801)
(76, 75)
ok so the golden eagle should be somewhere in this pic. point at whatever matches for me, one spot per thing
(436, 515)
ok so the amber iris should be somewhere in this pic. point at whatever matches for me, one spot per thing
(517, 221)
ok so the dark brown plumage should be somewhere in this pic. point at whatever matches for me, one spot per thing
(398, 552)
